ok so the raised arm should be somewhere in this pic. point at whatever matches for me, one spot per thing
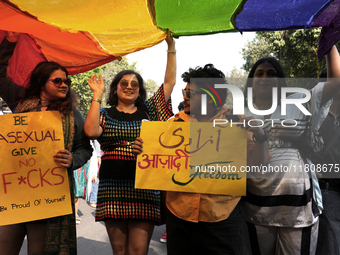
(91, 127)
(170, 73)
(332, 86)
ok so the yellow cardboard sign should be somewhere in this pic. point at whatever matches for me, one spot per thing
(192, 157)
(32, 185)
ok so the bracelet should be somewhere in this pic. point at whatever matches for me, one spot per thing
(171, 51)
(96, 100)
(264, 138)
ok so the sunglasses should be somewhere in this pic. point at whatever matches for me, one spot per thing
(190, 93)
(58, 82)
(124, 84)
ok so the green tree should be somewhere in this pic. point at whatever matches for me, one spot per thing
(82, 89)
(151, 87)
(238, 78)
(255, 49)
(295, 49)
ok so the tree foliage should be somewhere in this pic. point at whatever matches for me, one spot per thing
(82, 90)
(238, 78)
(295, 49)
(108, 72)
(254, 50)
(151, 87)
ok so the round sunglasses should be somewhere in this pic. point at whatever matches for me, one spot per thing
(59, 81)
(124, 84)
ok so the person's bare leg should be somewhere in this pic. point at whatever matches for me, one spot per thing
(76, 204)
(11, 238)
(140, 233)
(117, 232)
(36, 234)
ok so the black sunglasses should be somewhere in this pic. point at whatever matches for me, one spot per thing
(59, 81)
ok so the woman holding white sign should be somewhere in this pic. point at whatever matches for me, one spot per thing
(129, 214)
(49, 89)
(283, 202)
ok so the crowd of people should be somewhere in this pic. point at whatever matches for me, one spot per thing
(282, 212)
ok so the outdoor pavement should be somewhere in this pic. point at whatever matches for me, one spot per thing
(93, 240)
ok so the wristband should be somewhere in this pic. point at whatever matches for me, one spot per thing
(171, 51)
(96, 100)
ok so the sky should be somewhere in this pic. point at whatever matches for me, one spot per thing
(222, 50)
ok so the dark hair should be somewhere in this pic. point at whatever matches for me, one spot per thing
(278, 68)
(113, 98)
(38, 79)
(208, 71)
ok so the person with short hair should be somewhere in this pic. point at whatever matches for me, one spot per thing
(205, 223)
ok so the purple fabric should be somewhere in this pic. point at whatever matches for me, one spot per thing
(264, 15)
(329, 19)
(329, 36)
(326, 16)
